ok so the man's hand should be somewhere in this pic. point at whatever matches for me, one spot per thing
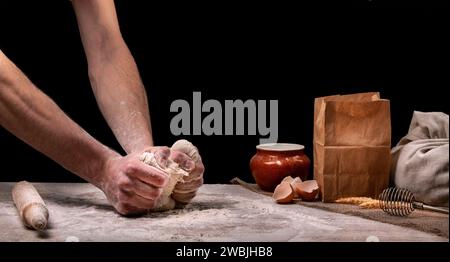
(186, 191)
(131, 186)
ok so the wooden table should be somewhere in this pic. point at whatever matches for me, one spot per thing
(80, 212)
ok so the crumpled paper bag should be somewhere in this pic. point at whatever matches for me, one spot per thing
(352, 141)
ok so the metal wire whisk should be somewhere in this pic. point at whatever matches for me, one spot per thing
(401, 202)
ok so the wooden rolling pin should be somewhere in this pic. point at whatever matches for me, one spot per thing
(31, 207)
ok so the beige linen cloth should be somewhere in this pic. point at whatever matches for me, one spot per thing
(420, 160)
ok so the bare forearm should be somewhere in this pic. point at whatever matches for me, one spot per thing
(122, 99)
(114, 75)
(33, 117)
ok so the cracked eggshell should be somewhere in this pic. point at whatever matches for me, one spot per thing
(283, 193)
(288, 179)
(307, 190)
(293, 182)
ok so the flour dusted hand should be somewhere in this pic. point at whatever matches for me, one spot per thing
(176, 174)
(131, 186)
(185, 171)
(186, 190)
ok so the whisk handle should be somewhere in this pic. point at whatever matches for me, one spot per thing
(431, 208)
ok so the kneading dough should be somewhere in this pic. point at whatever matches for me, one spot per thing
(176, 173)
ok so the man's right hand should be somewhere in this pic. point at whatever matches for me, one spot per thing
(132, 186)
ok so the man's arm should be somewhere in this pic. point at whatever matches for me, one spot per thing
(130, 185)
(33, 117)
(119, 90)
(114, 75)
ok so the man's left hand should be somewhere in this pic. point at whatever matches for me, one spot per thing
(185, 191)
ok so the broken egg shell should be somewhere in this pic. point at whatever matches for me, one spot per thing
(283, 193)
(293, 182)
(307, 190)
(288, 179)
(296, 180)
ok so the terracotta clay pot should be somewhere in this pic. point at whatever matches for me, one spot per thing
(273, 162)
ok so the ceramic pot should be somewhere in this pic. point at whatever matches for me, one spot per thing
(273, 162)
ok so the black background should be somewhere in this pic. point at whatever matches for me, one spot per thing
(289, 53)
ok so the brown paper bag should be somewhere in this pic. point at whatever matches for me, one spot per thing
(352, 142)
